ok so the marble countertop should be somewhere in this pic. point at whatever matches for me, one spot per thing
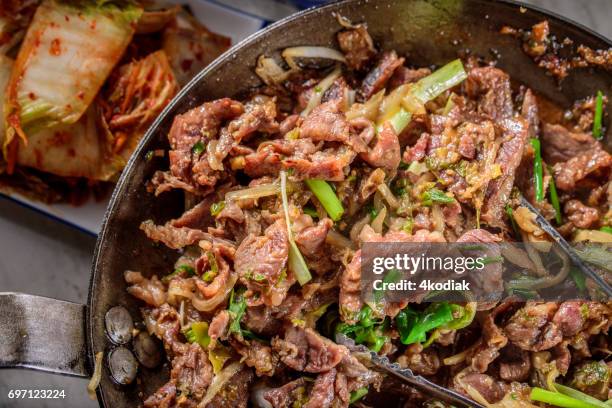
(43, 257)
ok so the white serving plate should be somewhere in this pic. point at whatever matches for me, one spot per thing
(226, 20)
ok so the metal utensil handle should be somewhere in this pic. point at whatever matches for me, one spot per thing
(42, 334)
(569, 251)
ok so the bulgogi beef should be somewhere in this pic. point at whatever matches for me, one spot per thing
(270, 260)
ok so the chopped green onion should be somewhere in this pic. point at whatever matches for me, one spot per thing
(579, 279)
(436, 196)
(413, 326)
(554, 198)
(198, 148)
(358, 394)
(216, 208)
(198, 333)
(367, 330)
(188, 270)
(296, 262)
(557, 399)
(570, 392)
(492, 259)
(597, 119)
(326, 196)
(311, 211)
(236, 308)
(425, 90)
(392, 276)
(439, 81)
(537, 169)
(606, 229)
(399, 120)
(510, 214)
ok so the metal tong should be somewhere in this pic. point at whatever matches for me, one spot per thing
(381, 363)
(566, 248)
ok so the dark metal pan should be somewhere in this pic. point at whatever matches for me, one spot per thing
(61, 337)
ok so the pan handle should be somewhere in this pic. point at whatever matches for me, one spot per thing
(42, 334)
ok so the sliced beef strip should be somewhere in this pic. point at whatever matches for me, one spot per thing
(377, 78)
(285, 395)
(486, 386)
(200, 124)
(421, 361)
(327, 123)
(369, 184)
(192, 372)
(329, 164)
(418, 151)
(235, 393)
(491, 87)
(306, 350)
(164, 397)
(386, 152)
(530, 111)
(151, 291)
(582, 216)
(311, 242)
(267, 160)
(218, 326)
(350, 290)
(259, 116)
(258, 356)
(515, 364)
(515, 133)
(259, 260)
(560, 145)
(570, 318)
(489, 279)
(323, 392)
(357, 46)
(531, 328)
(568, 174)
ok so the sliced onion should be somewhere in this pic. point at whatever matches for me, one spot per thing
(310, 52)
(179, 289)
(323, 86)
(338, 240)
(213, 161)
(518, 257)
(207, 305)
(257, 396)
(296, 262)
(593, 236)
(368, 110)
(270, 72)
(438, 218)
(386, 193)
(378, 222)
(219, 381)
(259, 191)
(457, 358)
(94, 382)
(358, 226)
(545, 281)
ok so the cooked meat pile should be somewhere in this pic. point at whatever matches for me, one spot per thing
(370, 150)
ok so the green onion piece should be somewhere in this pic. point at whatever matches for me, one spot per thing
(439, 81)
(554, 198)
(216, 208)
(326, 196)
(399, 121)
(606, 229)
(436, 315)
(571, 392)
(198, 333)
(537, 169)
(597, 119)
(358, 394)
(510, 214)
(197, 148)
(427, 89)
(579, 278)
(557, 399)
(311, 211)
(186, 269)
(296, 262)
(236, 308)
(436, 196)
(392, 276)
